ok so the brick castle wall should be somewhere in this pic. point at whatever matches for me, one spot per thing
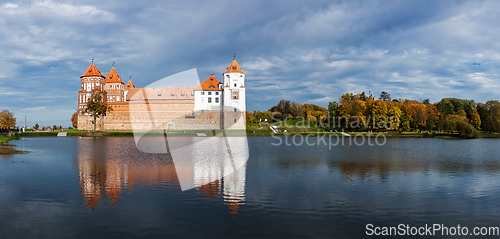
(177, 115)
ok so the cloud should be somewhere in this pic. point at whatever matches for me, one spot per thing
(306, 52)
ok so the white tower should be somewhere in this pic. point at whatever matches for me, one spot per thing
(234, 97)
(234, 87)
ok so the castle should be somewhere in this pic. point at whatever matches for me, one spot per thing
(210, 105)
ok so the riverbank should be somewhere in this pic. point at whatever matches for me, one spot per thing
(6, 148)
(284, 131)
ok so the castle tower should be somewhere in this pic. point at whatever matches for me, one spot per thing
(129, 86)
(114, 87)
(234, 97)
(91, 80)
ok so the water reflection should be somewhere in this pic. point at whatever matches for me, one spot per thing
(109, 167)
(446, 158)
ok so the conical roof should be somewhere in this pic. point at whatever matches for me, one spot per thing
(234, 68)
(92, 71)
(113, 77)
(129, 85)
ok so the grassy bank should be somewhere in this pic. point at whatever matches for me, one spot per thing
(4, 139)
(9, 148)
(284, 128)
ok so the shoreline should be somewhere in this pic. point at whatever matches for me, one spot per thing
(251, 133)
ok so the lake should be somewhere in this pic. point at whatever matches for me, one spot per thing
(71, 187)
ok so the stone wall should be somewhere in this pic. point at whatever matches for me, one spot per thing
(160, 115)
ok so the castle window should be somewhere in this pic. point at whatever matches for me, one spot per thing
(111, 92)
(234, 120)
(209, 93)
(235, 110)
(234, 85)
(209, 99)
(159, 93)
(216, 99)
(216, 93)
(202, 93)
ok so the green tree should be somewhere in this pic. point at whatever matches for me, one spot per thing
(96, 107)
(7, 120)
(332, 111)
(384, 96)
(446, 108)
(36, 126)
(54, 127)
(459, 124)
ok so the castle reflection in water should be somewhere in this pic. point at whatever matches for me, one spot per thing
(111, 166)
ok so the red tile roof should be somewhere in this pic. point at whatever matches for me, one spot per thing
(129, 85)
(113, 77)
(211, 83)
(234, 68)
(92, 71)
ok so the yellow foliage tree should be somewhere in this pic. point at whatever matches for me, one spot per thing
(345, 98)
(7, 120)
(394, 115)
(475, 120)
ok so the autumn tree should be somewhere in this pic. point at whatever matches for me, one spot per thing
(491, 124)
(96, 107)
(432, 117)
(475, 120)
(459, 124)
(7, 120)
(377, 113)
(346, 98)
(314, 113)
(283, 109)
(394, 114)
(296, 110)
(74, 120)
(489, 114)
(249, 117)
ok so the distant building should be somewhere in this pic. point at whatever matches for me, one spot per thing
(212, 104)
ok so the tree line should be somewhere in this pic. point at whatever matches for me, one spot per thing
(361, 112)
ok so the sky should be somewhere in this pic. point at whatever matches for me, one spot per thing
(304, 51)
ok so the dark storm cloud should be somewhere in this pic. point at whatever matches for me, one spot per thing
(306, 51)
